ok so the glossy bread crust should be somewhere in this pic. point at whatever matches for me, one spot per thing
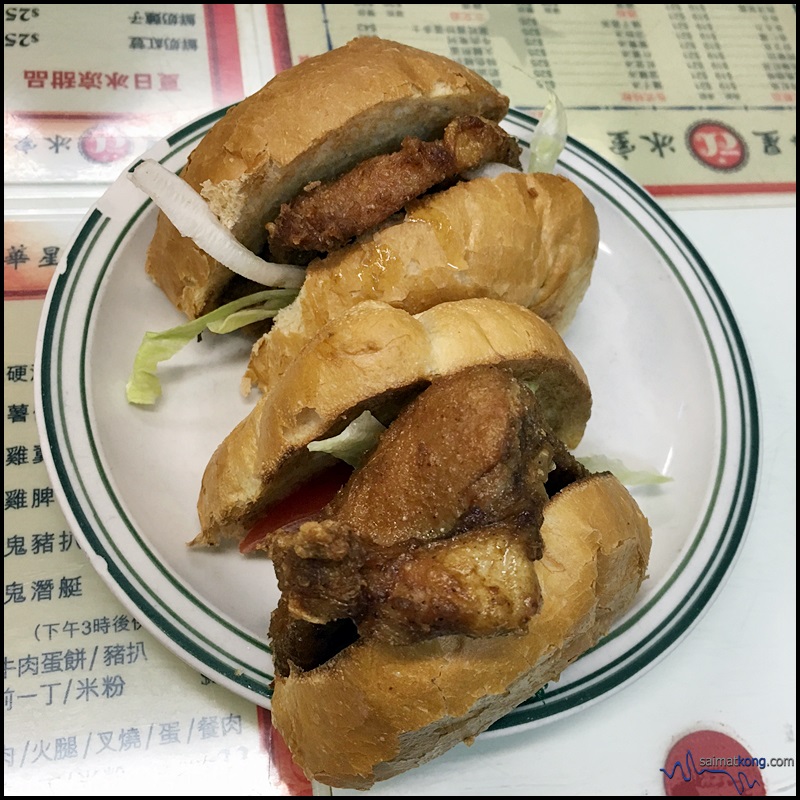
(529, 239)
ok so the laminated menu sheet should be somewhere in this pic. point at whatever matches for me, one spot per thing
(690, 100)
(92, 701)
(94, 704)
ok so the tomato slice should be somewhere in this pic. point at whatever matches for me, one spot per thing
(300, 505)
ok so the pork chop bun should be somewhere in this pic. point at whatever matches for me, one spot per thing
(357, 166)
(465, 565)
(374, 358)
(460, 560)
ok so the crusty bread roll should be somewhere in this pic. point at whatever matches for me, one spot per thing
(375, 710)
(374, 357)
(530, 239)
(309, 123)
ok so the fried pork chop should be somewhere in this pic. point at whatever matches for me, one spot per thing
(436, 534)
(326, 216)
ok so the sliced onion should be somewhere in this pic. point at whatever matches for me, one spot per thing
(190, 214)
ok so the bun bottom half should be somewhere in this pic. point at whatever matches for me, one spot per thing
(376, 710)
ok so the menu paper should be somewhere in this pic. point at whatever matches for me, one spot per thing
(90, 697)
(88, 88)
(687, 99)
(690, 100)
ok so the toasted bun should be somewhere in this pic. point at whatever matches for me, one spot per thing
(530, 239)
(311, 122)
(376, 710)
(374, 357)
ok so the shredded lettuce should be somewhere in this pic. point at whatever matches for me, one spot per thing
(354, 442)
(549, 138)
(144, 387)
(240, 319)
(623, 473)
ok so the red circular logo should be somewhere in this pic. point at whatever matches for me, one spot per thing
(710, 763)
(104, 144)
(717, 146)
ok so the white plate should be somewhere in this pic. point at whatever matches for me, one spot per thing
(672, 386)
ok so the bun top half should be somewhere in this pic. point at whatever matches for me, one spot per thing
(311, 122)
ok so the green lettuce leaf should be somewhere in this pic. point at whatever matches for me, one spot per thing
(624, 474)
(144, 387)
(354, 442)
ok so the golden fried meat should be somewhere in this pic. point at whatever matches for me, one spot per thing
(438, 532)
(326, 216)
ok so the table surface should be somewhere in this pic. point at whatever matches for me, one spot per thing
(93, 702)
